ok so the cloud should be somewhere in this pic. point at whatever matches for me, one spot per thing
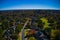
(30, 7)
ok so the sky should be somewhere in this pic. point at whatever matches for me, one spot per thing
(29, 4)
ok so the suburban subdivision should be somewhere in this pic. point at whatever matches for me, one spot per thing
(30, 25)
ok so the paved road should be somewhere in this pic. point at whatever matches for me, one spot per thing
(22, 31)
